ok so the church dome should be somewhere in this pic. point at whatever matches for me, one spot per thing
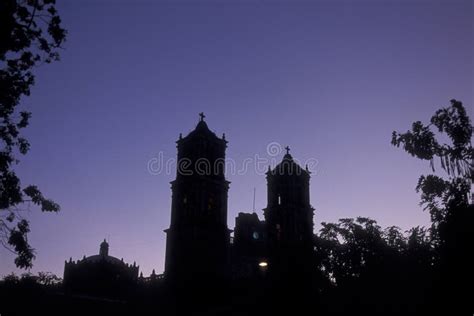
(103, 256)
(108, 259)
(99, 274)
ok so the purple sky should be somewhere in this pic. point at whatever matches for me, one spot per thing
(331, 79)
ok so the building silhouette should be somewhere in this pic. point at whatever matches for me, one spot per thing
(198, 246)
(199, 249)
(249, 247)
(281, 247)
(289, 222)
(197, 241)
(100, 275)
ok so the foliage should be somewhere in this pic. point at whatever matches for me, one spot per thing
(419, 270)
(30, 35)
(48, 278)
(447, 199)
(42, 278)
(438, 195)
(352, 250)
(421, 142)
(371, 266)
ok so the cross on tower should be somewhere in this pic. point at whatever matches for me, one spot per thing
(202, 116)
(287, 150)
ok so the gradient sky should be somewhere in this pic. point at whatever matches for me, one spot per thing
(331, 79)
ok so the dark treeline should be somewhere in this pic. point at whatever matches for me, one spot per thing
(370, 270)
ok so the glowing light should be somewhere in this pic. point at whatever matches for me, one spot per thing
(262, 264)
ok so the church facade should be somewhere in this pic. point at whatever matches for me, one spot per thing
(199, 247)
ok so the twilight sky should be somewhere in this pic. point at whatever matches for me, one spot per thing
(332, 79)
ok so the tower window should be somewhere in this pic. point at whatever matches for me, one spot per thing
(279, 199)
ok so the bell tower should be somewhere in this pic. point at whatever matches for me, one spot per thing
(289, 220)
(197, 240)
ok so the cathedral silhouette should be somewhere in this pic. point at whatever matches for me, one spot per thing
(199, 247)
(101, 274)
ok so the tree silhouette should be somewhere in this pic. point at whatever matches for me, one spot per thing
(30, 35)
(447, 199)
(374, 271)
(444, 198)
